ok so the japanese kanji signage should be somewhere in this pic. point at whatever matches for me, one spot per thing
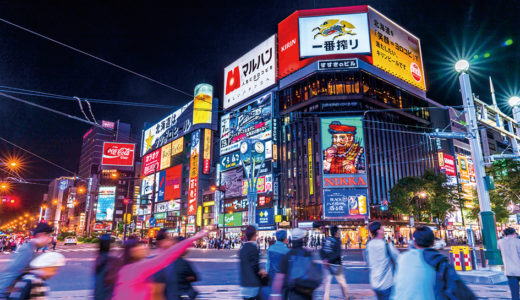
(351, 63)
(206, 158)
(152, 162)
(194, 173)
(251, 73)
(395, 50)
(334, 34)
(118, 154)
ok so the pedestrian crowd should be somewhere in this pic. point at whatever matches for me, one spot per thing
(292, 273)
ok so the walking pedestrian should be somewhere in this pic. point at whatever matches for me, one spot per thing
(510, 249)
(178, 276)
(251, 276)
(54, 242)
(103, 282)
(275, 254)
(133, 278)
(33, 284)
(22, 258)
(381, 258)
(299, 275)
(331, 256)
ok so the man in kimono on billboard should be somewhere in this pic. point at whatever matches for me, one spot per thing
(343, 156)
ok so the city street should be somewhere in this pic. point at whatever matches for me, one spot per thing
(218, 270)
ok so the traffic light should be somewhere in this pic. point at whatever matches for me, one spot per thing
(126, 201)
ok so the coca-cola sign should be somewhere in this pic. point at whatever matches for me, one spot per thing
(118, 154)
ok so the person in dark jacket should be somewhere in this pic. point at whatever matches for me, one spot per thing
(178, 277)
(331, 256)
(250, 273)
(102, 287)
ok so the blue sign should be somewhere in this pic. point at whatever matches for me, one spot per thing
(265, 217)
(161, 185)
(230, 161)
(345, 204)
(152, 222)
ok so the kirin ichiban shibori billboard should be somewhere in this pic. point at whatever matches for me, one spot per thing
(343, 152)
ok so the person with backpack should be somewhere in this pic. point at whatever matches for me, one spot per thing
(275, 254)
(21, 259)
(509, 247)
(251, 276)
(424, 273)
(331, 256)
(299, 276)
(32, 284)
(381, 259)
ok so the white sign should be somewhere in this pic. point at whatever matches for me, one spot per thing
(251, 73)
(334, 34)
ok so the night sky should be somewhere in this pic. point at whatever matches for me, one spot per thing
(183, 43)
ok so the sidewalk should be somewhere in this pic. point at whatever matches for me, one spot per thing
(356, 291)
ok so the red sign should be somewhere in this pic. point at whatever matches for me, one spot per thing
(102, 226)
(345, 181)
(289, 43)
(118, 154)
(449, 165)
(173, 183)
(152, 162)
(192, 196)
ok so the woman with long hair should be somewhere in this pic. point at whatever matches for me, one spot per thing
(133, 277)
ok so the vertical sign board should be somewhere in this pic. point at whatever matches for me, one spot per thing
(311, 175)
(202, 104)
(395, 50)
(172, 188)
(199, 216)
(160, 186)
(106, 202)
(344, 169)
(166, 153)
(151, 162)
(206, 158)
(194, 173)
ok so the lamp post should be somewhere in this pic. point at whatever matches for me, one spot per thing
(252, 154)
(487, 217)
(221, 188)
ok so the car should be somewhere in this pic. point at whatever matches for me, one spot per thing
(439, 244)
(70, 240)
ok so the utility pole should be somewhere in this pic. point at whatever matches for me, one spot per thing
(487, 216)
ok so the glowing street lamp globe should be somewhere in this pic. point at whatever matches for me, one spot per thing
(462, 66)
(514, 101)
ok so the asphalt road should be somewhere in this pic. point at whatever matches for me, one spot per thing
(215, 267)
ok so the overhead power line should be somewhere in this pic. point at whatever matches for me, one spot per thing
(95, 57)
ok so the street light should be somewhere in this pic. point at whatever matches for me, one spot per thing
(514, 101)
(489, 234)
(422, 194)
(462, 66)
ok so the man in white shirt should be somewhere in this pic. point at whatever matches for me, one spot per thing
(510, 248)
(382, 258)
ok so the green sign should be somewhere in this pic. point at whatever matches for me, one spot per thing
(160, 215)
(234, 219)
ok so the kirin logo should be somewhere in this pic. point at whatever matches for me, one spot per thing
(335, 28)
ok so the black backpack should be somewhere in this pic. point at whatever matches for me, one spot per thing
(448, 285)
(304, 274)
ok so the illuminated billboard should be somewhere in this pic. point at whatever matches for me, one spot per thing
(194, 173)
(345, 203)
(152, 162)
(251, 73)
(206, 157)
(253, 120)
(106, 201)
(334, 34)
(232, 180)
(197, 114)
(118, 154)
(343, 152)
(395, 50)
(264, 184)
(173, 183)
(166, 154)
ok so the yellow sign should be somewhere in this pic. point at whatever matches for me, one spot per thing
(206, 154)
(177, 146)
(208, 203)
(199, 216)
(441, 158)
(202, 104)
(275, 152)
(456, 250)
(166, 154)
(278, 218)
(311, 176)
(395, 50)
